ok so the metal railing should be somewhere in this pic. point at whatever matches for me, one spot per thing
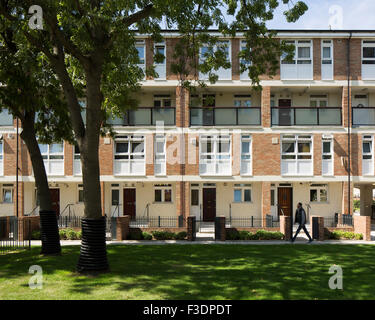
(68, 210)
(34, 212)
(146, 116)
(69, 221)
(14, 234)
(306, 116)
(225, 116)
(335, 221)
(251, 222)
(156, 222)
(363, 116)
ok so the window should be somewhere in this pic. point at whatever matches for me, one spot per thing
(77, 167)
(162, 101)
(296, 155)
(367, 155)
(160, 67)
(318, 101)
(246, 63)
(368, 60)
(242, 100)
(8, 193)
(242, 193)
(80, 193)
(163, 193)
(141, 49)
(115, 195)
(129, 155)
(160, 155)
(318, 193)
(300, 67)
(215, 155)
(1, 158)
(208, 100)
(53, 156)
(207, 51)
(246, 155)
(195, 197)
(327, 156)
(327, 60)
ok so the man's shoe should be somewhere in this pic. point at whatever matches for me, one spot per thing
(310, 241)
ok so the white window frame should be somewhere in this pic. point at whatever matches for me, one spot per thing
(318, 188)
(142, 44)
(163, 188)
(296, 162)
(318, 99)
(47, 159)
(242, 188)
(163, 98)
(7, 188)
(80, 188)
(242, 99)
(1, 157)
(133, 159)
(367, 138)
(244, 75)
(162, 66)
(160, 157)
(246, 157)
(328, 154)
(77, 166)
(291, 70)
(223, 74)
(326, 43)
(217, 159)
(368, 70)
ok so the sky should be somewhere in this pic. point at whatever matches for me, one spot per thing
(339, 14)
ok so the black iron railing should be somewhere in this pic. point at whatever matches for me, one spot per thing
(146, 116)
(15, 234)
(252, 222)
(156, 222)
(306, 116)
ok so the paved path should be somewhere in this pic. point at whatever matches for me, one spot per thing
(182, 242)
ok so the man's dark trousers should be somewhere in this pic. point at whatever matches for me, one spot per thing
(299, 229)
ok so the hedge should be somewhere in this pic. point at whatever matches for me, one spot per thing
(233, 234)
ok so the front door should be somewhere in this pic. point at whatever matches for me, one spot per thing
(209, 204)
(129, 202)
(285, 116)
(285, 201)
(55, 198)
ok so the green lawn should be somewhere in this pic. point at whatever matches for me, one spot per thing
(197, 272)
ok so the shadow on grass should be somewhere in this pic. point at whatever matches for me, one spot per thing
(211, 271)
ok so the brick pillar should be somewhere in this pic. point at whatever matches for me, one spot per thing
(345, 209)
(190, 228)
(102, 196)
(68, 159)
(285, 227)
(187, 202)
(122, 227)
(366, 200)
(317, 222)
(21, 195)
(266, 106)
(236, 151)
(182, 107)
(345, 101)
(220, 224)
(362, 224)
(266, 200)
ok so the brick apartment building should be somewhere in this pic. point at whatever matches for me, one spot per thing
(227, 150)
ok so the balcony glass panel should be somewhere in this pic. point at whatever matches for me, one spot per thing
(225, 117)
(330, 116)
(196, 117)
(140, 117)
(6, 119)
(165, 115)
(363, 116)
(306, 116)
(250, 116)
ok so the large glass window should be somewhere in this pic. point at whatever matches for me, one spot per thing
(367, 155)
(53, 156)
(160, 155)
(327, 155)
(163, 193)
(207, 51)
(242, 193)
(300, 66)
(160, 67)
(129, 155)
(215, 155)
(246, 158)
(318, 193)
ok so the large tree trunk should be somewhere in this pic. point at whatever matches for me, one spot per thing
(48, 219)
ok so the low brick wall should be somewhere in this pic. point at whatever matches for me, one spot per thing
(149, 230)
(285, 227)
(253, 230)
(362, 224)
(345, 229)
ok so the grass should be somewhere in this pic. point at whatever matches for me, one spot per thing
(197, 272)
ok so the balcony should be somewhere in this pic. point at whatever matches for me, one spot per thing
(219, 116)
(6, 119)
(146, 116)
(306, 116)
(363, 116)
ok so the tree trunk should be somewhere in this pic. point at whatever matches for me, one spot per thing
(48, 220)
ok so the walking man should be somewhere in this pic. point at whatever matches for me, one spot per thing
(301, 219)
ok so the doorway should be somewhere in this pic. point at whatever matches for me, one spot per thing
(129, 203)
(285, 201)
(209, 204)
(55, 199)
(285, 114)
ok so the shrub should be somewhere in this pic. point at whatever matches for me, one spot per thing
(35, 235)
(62, 233)
(162, 235)
(146, 236)
(180, 235)
(245, 235)
(71, 234)
(345, 235)
(135, 235)
(232, 234)
(79, 235)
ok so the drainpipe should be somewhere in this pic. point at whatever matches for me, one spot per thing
(349, 120)
(17, 169)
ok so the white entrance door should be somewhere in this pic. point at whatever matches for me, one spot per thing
(274, 204)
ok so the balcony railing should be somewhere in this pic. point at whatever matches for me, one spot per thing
(219, 116)
(363, 116)
(146, 116)
(306, 116)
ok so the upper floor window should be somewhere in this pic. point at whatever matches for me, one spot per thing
(368, 155)
(77, 167)
(206, 51)
(160, 67)
(318, 100)
(1, 158)
(244, 75)
(215, 155)
(242, 100)
(246, 155)
(300, 67)
(7, 193)
(327, 155)
(327, 60)
(368, 59)
(129, 155)
(296, 155)
(162, 101)
(160, 155)
(141, 49)
(53, 156)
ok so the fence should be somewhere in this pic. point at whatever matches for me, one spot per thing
(15, 234)
(157, 222)
(346, 220)
(69, 222)
(251, 222)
